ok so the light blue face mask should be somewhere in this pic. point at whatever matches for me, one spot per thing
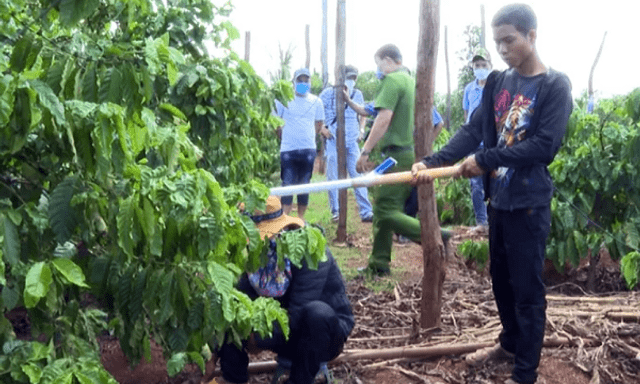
(379, 74)
(302, 88)
(481, 73)
(350, 85)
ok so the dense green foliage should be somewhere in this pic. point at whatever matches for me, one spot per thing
(597, 200)
(124, 152)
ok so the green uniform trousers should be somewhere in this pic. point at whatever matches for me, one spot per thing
(388, 213)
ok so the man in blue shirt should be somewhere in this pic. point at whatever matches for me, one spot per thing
(352, 132)
(481, 65)
(303, 119)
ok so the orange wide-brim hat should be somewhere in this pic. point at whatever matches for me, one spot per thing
(273, 219)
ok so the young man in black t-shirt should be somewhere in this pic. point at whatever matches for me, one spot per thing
(522, 121)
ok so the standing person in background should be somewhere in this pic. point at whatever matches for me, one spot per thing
(411, 205)
(303, 119)
(522, 121)
(352, 132)
(481, 65)
(393, 129)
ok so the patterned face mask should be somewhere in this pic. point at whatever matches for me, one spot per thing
(269, 280)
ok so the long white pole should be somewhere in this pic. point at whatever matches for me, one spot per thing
(362, 181)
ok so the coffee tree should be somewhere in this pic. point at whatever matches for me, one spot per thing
(597, 199)
(125, 148)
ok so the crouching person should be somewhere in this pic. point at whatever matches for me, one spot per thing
(320, 316)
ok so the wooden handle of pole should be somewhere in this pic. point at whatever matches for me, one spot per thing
(406, 177)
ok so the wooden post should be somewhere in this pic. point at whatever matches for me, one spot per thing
(341, 234)
(483, 30)
(593, 67)
(323, 55)
(308, 46)
(446, 60)
(247, 45)
(432, 248)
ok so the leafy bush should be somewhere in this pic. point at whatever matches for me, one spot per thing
(597, 200)
(476, 251)
(124, 153)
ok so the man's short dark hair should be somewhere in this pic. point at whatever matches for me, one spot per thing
(521, 16)
(391, 51)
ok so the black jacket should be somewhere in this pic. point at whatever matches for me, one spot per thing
(531, 184)
(306, 285)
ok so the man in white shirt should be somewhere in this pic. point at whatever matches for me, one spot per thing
(303, 119)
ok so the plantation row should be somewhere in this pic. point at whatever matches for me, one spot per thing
(124, 153)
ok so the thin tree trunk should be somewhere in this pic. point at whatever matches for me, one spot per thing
(247, 45)
(307, 45)
(446, 60)
(323, 58)
(341, 235)
(432, 248)
(595, 62)
(483, 29)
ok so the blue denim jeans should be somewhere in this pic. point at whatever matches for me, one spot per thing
(477, 197)
(517, 242)
(296, 167)
(362, 198)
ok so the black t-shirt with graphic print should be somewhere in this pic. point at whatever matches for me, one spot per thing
(513, 106)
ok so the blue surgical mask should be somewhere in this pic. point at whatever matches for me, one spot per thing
(350, 85)
(481, 73)
(302, 88)
(379, 74)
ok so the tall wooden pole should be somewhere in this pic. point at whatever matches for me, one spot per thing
(446, 60)
(433, 251)
(341, 235)
(483, 30)
(247, 45)
(323, 58)
(307, 63)
(593, 67)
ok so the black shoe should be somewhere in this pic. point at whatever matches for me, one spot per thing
(373, 271)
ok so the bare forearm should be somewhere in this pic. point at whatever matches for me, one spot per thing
(357, 107)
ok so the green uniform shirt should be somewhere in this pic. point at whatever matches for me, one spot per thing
(397, 93)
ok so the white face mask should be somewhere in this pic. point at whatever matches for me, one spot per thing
(481, 73)
(350, 85)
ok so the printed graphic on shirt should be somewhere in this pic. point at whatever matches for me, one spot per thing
(513, 107)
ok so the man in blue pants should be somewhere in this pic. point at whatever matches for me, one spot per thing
(481, 65)
(522, 121)
(352, 132)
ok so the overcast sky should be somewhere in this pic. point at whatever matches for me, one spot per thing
(569, 34)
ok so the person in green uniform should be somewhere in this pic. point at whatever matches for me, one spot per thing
(393, 131)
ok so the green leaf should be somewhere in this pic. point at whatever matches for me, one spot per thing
(37, 284)
(173, 110)
(72, 11)
(125, 225)
(11, 244)
(20, 53)
(71, 271)
(90, 84)
(10, 297)
(61, 215)
(630, 267)
(49, 100)
(33, 371)
(197, 358)
(110, 87)
(176, 363)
